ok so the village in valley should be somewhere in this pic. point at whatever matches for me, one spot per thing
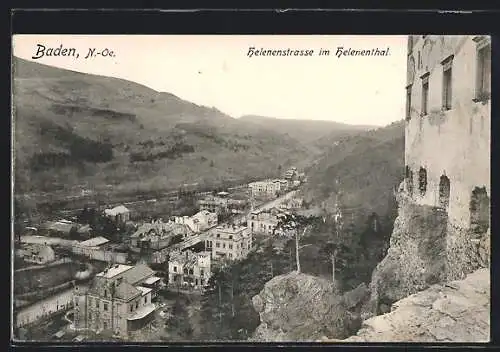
(139, 216)
(115, 274)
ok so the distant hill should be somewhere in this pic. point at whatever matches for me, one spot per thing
(74, 129)
(367, 166)
(311, 132)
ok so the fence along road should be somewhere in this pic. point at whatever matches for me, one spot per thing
(45, 307)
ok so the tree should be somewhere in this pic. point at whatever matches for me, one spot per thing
(331, 250)
(73, 233)
(294, 226)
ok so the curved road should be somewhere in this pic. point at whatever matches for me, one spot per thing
(58, 302)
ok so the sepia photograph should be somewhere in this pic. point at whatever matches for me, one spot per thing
(250, 188)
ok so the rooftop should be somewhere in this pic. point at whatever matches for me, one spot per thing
(187, 258)
(137, 273)
(61, 226)
(142, 312)
(94, 242)
(230, 228)
(84, 228)
(121, 209)
(151, 280)
(126, 291)
(114, 270)
(144, 290)
(162, 229)
(202, 213)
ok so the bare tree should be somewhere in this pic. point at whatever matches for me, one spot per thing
(330, 249)
(294, 226)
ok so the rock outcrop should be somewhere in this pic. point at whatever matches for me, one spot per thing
(416, 257)
(455, 312)
(425, 249)
(300, 307)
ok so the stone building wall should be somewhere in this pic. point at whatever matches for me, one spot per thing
(454, 143)
(447, 151)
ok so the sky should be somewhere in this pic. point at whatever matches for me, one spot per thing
(216, 71)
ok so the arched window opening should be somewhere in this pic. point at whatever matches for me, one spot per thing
(444, 192)
(409, 180)
(422, 181)
(479, 211)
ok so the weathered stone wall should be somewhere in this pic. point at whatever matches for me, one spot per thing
(458, 311)
(456, 142)
(416, 257)
(425, 249)
(465, 253)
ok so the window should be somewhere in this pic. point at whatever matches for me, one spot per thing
(175, 269)
(223, 245)
(202, 272)
(105, 293)
(447, 82)
(136, 304)
(230, 255)
(190, 271)
(483, 84)
(217, 244)
(218, 235)
(96, 303)
(408, 102)
(105, 325)
(444, 191)
(146, 300)
(131, 308)
(230, 237)
(105, 307)
(425, 93)
(479, 211)
(422, 181)
(230, 246)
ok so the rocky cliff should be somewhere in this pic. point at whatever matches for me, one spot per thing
(425, 249)
(300, 307)
(458, 311)
(425, 252)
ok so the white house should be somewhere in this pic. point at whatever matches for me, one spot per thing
(229, 242)
(199, 222)
(189, 269)
(119, 214)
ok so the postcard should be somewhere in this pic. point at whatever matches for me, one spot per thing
(255, 188)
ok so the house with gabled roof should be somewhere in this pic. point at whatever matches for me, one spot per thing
(189, 269)
(119, 214)
(119, 300)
